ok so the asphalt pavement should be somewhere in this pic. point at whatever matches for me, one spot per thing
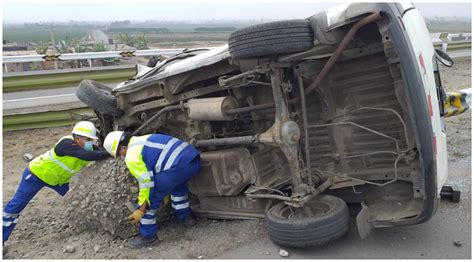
(44, 97)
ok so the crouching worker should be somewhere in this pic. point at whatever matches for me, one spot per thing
(162, 165)
(53, 169)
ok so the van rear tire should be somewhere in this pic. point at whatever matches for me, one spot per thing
(324, 219)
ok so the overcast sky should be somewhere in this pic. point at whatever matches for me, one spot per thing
(200, 10)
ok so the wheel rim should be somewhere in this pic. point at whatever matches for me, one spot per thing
(310, 210)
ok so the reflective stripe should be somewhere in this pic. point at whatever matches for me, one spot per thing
(179, 198)
(83, 130)
(9, 215)
(144, 176)
(174, 155)
(63, 166)
(151, 212)
(164, 153)
(147, 143)
(180, 206)
(148, 221)
(9, 223)
(146, 185)
(155, 145)
(114, 146)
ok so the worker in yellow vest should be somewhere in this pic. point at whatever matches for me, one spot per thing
(53, 169)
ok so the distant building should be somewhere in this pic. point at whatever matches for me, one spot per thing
(14, 47)
(124, 23)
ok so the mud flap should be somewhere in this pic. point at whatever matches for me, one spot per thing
(363, 225)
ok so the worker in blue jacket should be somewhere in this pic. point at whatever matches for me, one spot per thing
(162, 165)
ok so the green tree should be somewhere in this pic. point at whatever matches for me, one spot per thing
(65, 46)
(126, 39)
(41, 48)
(142, 42)
(100, 47)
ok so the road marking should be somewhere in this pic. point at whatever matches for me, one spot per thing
(39, 97)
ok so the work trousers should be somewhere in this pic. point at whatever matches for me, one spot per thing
(170, 182)
(29, 186)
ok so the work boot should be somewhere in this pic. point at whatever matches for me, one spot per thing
(188, 221)
(140, 242)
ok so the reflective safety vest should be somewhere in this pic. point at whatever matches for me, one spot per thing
(56, 170)
(150, 154)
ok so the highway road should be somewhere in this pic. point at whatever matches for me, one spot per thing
(460, 53)
(35, 98)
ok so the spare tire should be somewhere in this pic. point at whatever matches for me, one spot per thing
(274, 38)
(323, 219)
(98, 96)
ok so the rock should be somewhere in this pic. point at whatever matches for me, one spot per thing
(457, 243)
(82, 187)
(133, 190)
(75, 203)
(200, 257)
(267, 253)
(96, 248)
(283, 253)
(70, 248)
(28, 157)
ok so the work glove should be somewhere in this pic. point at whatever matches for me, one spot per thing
(135, 217)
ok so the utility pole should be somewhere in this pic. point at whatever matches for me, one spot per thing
(54, 44)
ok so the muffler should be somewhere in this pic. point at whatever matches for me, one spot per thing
(211, 109)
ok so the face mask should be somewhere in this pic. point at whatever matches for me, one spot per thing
(88, 145)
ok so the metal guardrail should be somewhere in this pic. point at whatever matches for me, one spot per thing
(43, 119)
(446, 37)
(54, 79)
(89, 55)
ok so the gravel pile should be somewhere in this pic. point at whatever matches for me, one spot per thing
(99, 196)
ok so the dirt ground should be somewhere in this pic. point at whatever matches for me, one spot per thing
(43, 232)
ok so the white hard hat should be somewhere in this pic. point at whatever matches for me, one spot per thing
(112, 141)
(85, 128)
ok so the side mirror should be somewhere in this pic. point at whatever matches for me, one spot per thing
(444, 58)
